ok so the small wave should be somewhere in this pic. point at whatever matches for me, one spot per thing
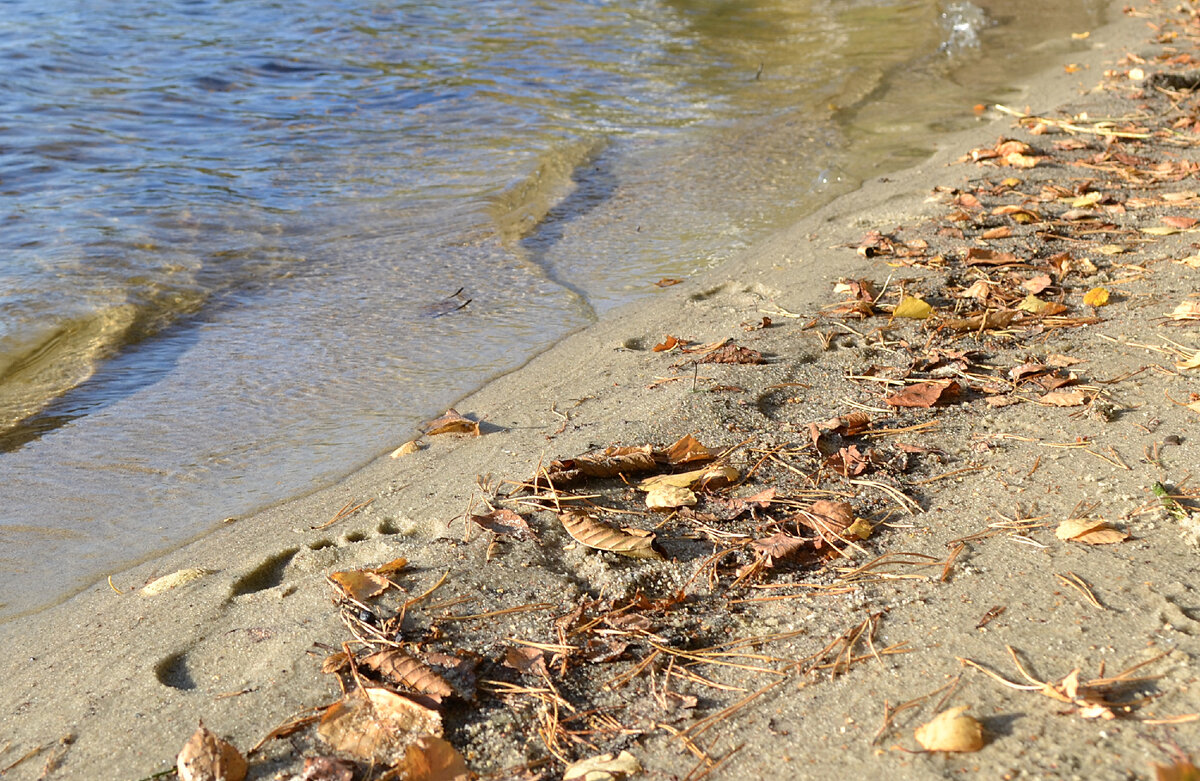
(962, 23)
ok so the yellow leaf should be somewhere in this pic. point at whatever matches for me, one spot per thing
(408, 448)
(861, 529)
(715, 476)
(1097, 296)
(1034, 305)
(665, 496)
(1083, 201)
(951, 730)
(913, 308)
(1160, 230)
(1110, 249)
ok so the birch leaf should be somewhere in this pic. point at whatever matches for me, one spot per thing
(912, 308)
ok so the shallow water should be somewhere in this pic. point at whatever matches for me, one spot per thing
(234, 228)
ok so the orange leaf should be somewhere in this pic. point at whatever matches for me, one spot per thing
(1097, 296)
(452, 423)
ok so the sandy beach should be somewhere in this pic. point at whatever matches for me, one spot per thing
(931, 419)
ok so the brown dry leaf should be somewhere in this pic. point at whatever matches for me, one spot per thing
(206, 757)
(1179, 770)
(778, 547)
(667, 282)
(376, 725)
(688, 450)
(525, 660)
(977, 256)
(616, 460)
(635, 543)
(1097, 296)
(605, 767)
(393, 567)
(668, 343)
(432, 759)
(1090, 531)
(1037, 283)
(984, 322)
(326, 769)
(1003, 232)
(731, 353)
(1065, 398)
(505, 523)
(838, 515)
(452, 423)
(924, 394)
(952, 731)
(665, 496)
(1188, 310)
(360, 584)
(1183, 223)
(401, 668)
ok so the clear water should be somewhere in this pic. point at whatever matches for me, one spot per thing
(227, 225)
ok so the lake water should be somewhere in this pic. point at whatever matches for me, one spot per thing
(232, 230)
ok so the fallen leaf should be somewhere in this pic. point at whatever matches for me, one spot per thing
(731, 353)
(1090, 531)
(360, 584)
(710, 477)
(668, 343)
(605, 767)
(432, 759)
(977, 256)
(984, 322)
(401, 668)
(326, 769)
(408, 448)
(1179, 770)
(1065, 398)
(1190, 363)
(452, 423)
(1003, 232)
(665, 496)
(924, 394)
(952, 731)
(526, 660)
(506, 523)
(635, 543)
(1097, 296)
(393, 567)
(174, 580)
(778, 547)
(1188, 310)
(376, 725)
(912, 308)
(860, 530)
(1183, 223)
(206, 757)
(1037, 306)
(687, 450)
(1160, 230)
(667, 282)
(1192, 261)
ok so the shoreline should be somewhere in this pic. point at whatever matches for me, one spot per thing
(235, 646)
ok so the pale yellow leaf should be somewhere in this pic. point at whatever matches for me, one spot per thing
(605, 767)
(1065, 398)
(1188, 310)
(1160, 230)
(951, 730)
(665, 496)
(174, 580)
(1090, 531)
(1097, 296)
(408, 448)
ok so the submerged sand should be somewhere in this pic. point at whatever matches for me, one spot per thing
(692, 662)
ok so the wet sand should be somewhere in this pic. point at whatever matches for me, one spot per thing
(110, 685)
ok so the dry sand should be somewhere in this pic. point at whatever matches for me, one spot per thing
(109, 686)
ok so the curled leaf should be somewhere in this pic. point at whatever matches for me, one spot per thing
(505, 523)
(687, 450)
(432, 759)
(635, 543)
(1090, 531)
(360, 584)
(951, 730)
(715, 476)
(452, 423)
(376, 725)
